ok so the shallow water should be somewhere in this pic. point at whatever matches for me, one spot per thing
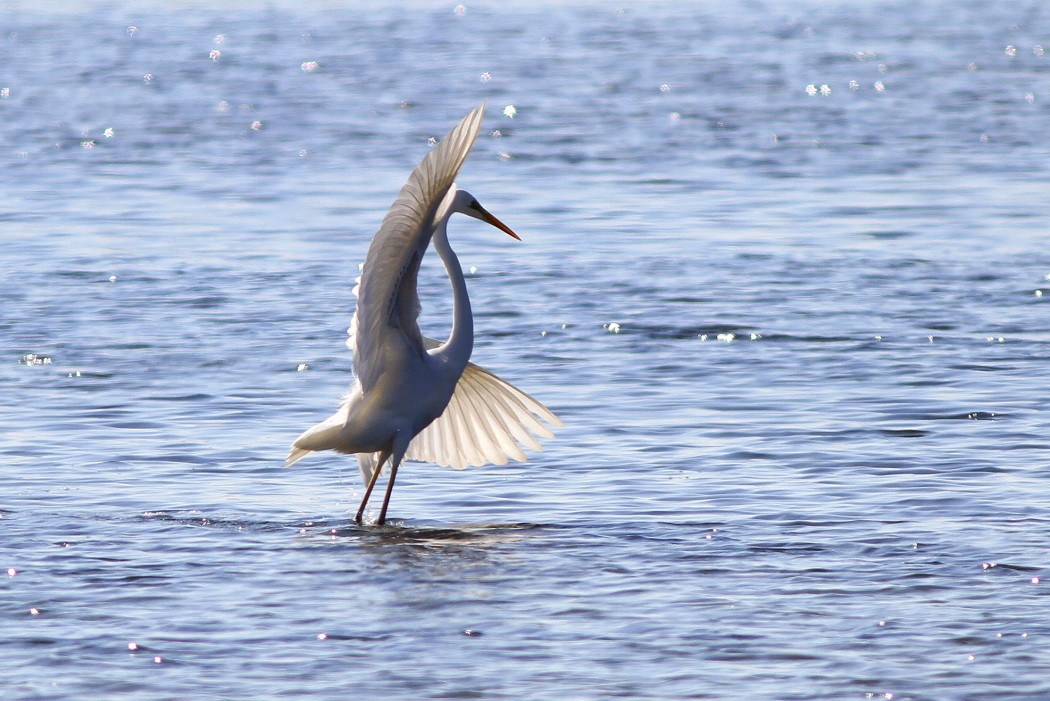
(798, 341)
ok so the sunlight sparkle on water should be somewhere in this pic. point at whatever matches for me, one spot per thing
(34, 359)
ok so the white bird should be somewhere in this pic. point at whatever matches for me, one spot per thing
(415, 398)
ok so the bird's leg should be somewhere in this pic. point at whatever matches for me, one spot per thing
(389, 489)
(396, 454)
(368, 490)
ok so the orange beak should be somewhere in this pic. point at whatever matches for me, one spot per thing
(499, 225)
(483, 215)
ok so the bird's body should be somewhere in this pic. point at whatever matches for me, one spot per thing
(415, 398)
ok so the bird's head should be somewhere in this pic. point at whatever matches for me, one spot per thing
(465, 203)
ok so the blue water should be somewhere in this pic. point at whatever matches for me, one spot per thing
(799, 342)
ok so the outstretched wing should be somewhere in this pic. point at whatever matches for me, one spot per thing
(488, 420)
(387, 305)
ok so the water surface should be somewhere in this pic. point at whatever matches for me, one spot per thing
(783, 276)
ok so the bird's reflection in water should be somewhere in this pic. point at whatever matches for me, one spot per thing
(427, 534)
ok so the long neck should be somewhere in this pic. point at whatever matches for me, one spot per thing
(460, 343)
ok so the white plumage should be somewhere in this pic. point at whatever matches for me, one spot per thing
(415, 398)
(487, 421)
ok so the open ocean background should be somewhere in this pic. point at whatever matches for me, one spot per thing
(785, 277)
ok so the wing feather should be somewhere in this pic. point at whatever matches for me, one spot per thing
(387, 302)
(501, 444)
(524, 407)
(487, 421)
(488, 426)
(512, 433)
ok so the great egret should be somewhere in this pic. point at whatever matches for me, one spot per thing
(415, 398)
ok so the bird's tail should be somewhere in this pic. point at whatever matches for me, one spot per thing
(323, 436)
